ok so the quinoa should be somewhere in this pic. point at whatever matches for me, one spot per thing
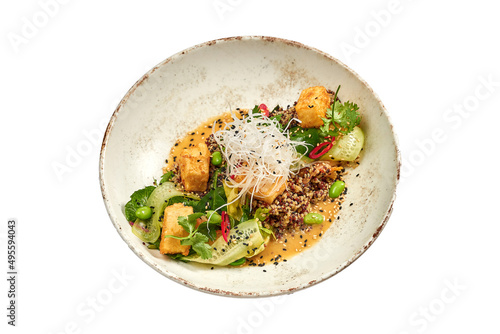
(309, 186)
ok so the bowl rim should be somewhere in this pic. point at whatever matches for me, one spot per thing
(220, 292)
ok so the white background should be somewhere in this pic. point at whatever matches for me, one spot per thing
(434, 269)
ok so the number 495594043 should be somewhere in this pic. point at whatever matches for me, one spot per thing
(11, 244)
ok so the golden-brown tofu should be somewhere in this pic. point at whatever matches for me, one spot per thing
(194, 163)
(267, 193)
(312, 105)
(172, 227)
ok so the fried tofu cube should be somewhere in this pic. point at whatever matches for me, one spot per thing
(172, 227)
(194, 164)
(267, 192)
(312, 105)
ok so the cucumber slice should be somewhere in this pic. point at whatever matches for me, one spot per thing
(347, 147)
(225, 253)
(261, 248)
(148, 230)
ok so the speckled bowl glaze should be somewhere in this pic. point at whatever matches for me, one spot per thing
(208, 79)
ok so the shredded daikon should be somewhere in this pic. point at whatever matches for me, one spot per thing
(259, 156)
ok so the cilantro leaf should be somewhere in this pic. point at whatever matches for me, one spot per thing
(196, 238)
(347, 117)
(137, 200)
(199, 244)
(189, 222)
(326, 124)
(343, 117)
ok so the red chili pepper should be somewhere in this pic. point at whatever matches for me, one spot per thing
(320, 150)
(264, 109)
(225, 225)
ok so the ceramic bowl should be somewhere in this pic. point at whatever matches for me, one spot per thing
(217, 76)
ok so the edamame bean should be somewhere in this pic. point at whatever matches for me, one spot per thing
(216, 158)
(313, 218)
(336, 189)
(144, 212)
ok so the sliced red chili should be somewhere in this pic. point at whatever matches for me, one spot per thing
(264, 109)
(320, 150)
(225, 225)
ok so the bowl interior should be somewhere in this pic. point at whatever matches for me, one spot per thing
(218, 76)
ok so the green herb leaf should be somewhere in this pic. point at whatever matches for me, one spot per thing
(189, 222)
(214, 199)
(137, 199)
(209, 230)
(167, 177)
(199, 244)
(278, 118)
(211, 226)
(347, 117)
(344, 117)
(238, 262)
(155, 245)
(265, 232)
(256, 110)
(184, 200)
(262, 213)
(178, 256)
(246, 213)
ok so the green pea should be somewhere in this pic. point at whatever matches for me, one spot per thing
(216, 159)
(336, 189)
(313, 218)
(144, 212)
(238, 262)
